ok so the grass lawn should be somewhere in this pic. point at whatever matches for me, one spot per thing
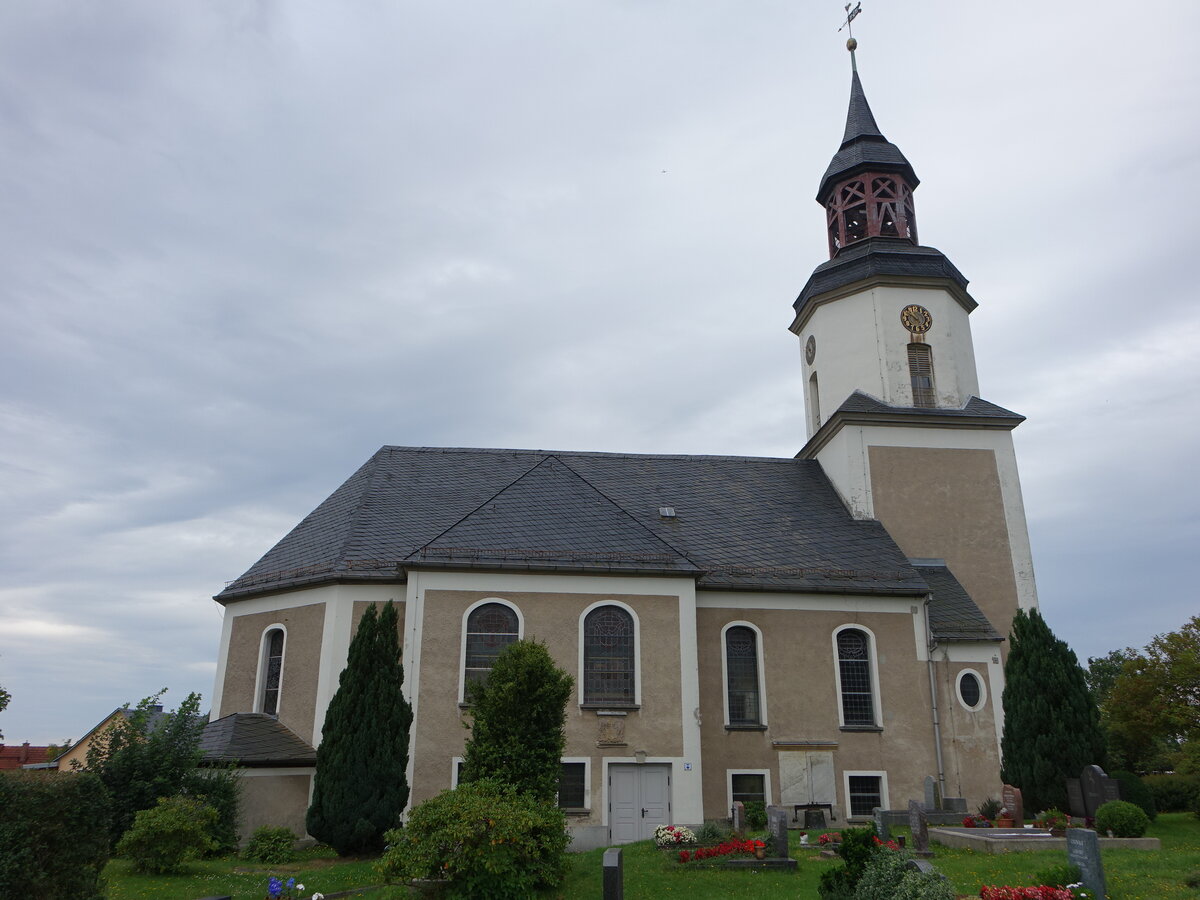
(649, 873)
(317, 869)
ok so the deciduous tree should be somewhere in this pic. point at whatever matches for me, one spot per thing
(361, 785)
(1051, 724)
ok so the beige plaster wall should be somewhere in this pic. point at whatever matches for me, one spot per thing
(947, 504)
(301, 657)
(802, 704)
(273, 800)
(553, 618)
(969, 739)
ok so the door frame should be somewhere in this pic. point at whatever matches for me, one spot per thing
(610, 763)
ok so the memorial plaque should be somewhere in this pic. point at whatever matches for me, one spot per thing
(1010, 799)
(918, 823)
(1075, 798)
(881, 828)
(777, 819)
(1083, 850)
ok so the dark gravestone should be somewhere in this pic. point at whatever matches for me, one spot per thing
(918, 824)
(739, 816)
(1075, 798)
(1010, 799)
(922, 865)
(931, 794)
(777, 819)
(1111, 789)
(1092, 779)
(1083, 850)
(614, 881)
(881, 827)
(954, 804)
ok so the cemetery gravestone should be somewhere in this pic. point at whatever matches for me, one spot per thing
(931, 792)
(918, 824)
(1010, 799)
(881, 827)
(1075, 798)
(777, 820)
(1093, 781)
(614, 880)
(954, 804)
(739, 816)
(1083, 850)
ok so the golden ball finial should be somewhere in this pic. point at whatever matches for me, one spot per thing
(852, 45)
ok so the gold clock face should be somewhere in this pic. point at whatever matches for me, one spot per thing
(810, 350)
(916, 318)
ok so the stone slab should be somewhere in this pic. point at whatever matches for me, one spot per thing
(786, 864)
(1015, 840)
(1083, 850)
(614, 876)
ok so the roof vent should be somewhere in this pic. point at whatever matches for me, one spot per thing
(667, 512)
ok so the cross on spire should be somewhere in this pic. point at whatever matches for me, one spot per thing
(851, 15)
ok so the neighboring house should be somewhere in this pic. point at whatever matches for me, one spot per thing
(77, 754)
(824, 629)
(21, 756)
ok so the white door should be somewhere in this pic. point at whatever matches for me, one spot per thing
(639, 800)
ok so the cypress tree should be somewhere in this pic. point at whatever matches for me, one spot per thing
(518, 717)
(1051, 725)
(361, 785)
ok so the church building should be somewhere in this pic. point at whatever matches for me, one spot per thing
(820, 631)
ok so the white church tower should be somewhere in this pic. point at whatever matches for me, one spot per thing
(891, 392)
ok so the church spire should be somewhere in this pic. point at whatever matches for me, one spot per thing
(867, 188)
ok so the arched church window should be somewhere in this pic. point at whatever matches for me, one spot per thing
(920, 372)
(271, 677)
(490, 628)
(741, 676)
(814, 402)
(608, 656)
(854, 671)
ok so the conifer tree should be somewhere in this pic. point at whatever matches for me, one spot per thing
(1051, 725)
(361, 785)
(518, 717)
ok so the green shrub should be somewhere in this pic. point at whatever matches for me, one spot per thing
(1058, 876)
(712, 832)
(168, 834)
(924, 886)
(221, 789)
(990, 808)
(1122, 818)
(882, 876)
(857, 849)
(54, 835)
(486, 838)
(1174, 793)
(836, 884)
(271, 844)
(1135, 791)
(756, 815)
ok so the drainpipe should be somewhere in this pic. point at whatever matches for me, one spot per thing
(933, 698)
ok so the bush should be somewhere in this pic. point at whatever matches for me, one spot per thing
(756, 815)
(1058, 876)
(857, 849)
(271, 844)
(882, 876)
(1135, 791)
(221, 789)
(712, 832)
(924, 886)
(1123, 819)
(167, 835)
(990, 809)
(1174, 793)
(485, 838)
(54, 835)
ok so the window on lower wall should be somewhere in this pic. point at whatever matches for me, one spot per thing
(572, 786)
(608, 656)
(272, 672)
(741, 666)
(864, 793)
(749, 788)
(854, 676)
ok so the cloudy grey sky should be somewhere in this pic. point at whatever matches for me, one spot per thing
(244, 245)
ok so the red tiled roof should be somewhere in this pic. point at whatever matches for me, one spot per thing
(15, 757)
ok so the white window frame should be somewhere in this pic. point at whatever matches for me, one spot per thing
(455, 762)
(587, 781)
(462, 646)
(762, 676)
(259, 678)
(637, 654)
(729, 773)
(873, 659)
(884, 800)
(983, 694)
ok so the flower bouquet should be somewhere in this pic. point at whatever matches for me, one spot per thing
(673, 836)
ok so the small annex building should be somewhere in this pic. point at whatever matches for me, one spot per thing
(824, 629)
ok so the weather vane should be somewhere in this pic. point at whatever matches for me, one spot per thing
(851, 43)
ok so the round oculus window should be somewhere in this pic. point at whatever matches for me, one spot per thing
(970, 692)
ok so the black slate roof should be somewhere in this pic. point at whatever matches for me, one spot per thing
(875, 257)
(953, 615)
(858, 402)
(254, 739)
(863, 146)
(741, 522)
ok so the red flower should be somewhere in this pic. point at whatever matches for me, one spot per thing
(684, 856)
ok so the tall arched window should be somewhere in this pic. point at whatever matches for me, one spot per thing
(814, 402)
(490, 628)
(608, 664)
(854, 670)
(920, 373)
(272, 671)
(741, 676)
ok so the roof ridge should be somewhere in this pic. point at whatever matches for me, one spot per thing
(680, 553)
(602, 454)
(476, 509)
(339, 559)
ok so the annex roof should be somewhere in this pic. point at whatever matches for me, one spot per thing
(254, 739)
(741, 523)
(953, 615)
